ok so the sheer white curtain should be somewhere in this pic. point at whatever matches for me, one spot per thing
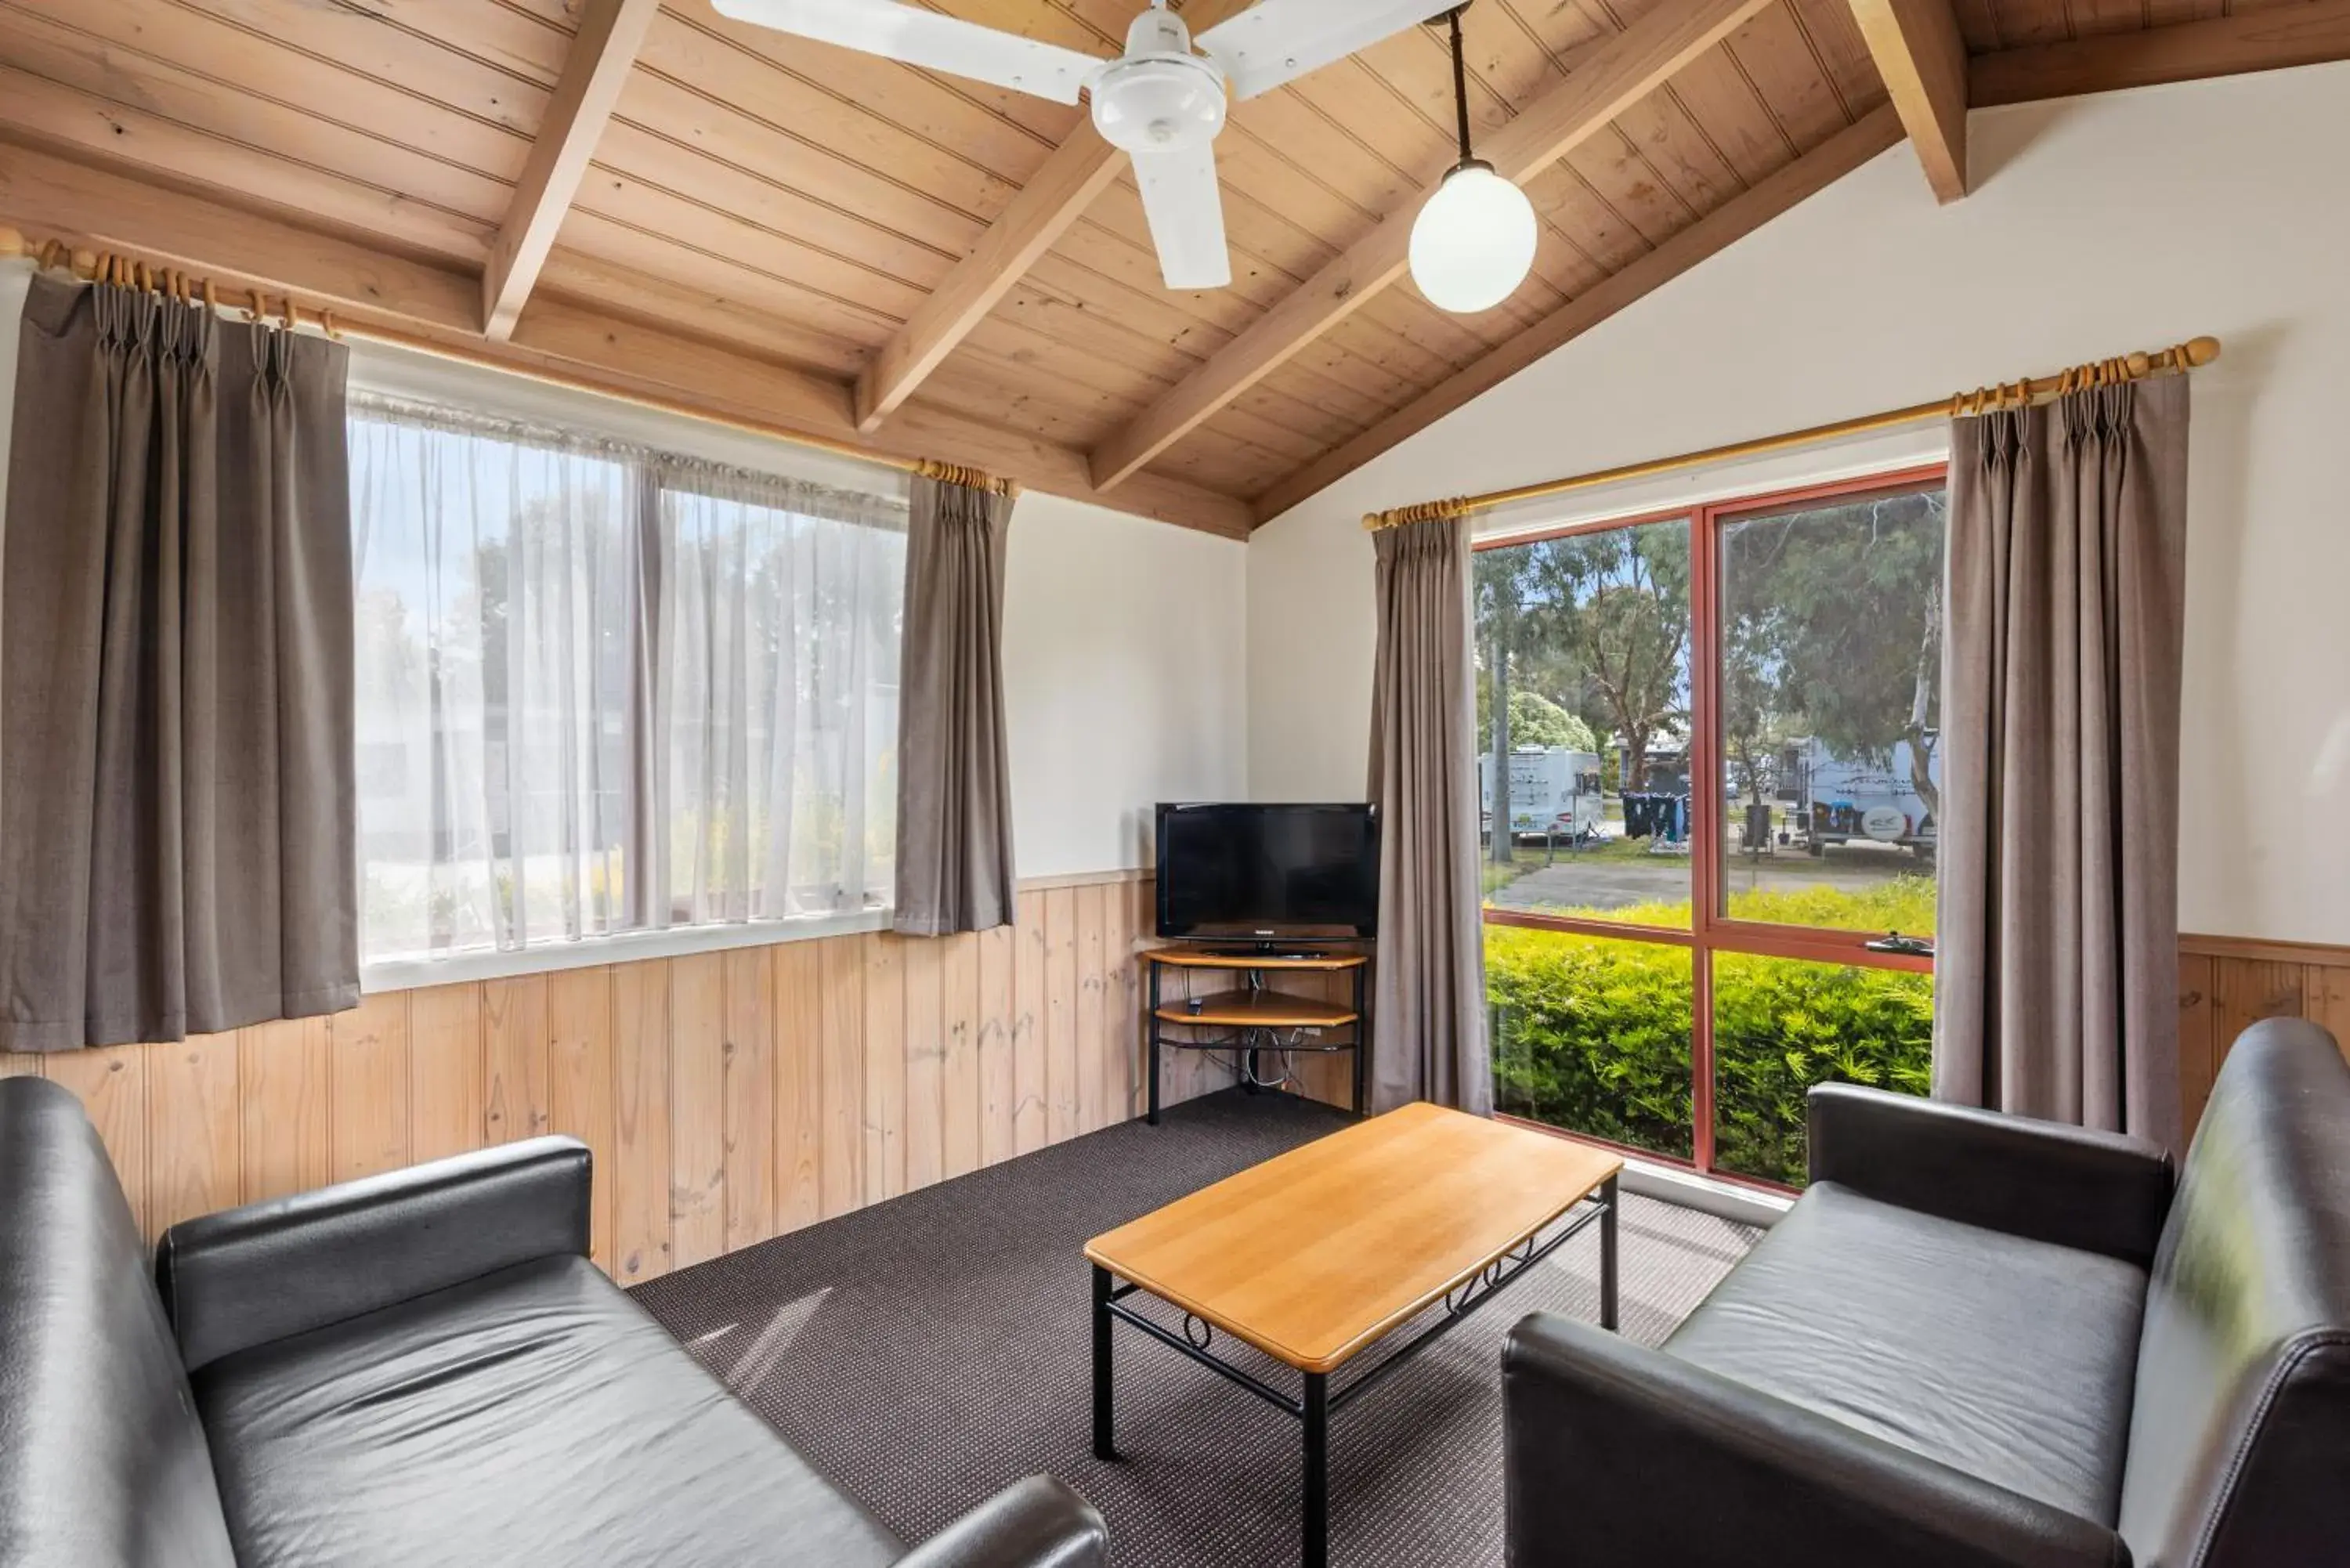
(603, 687)
(777, 695)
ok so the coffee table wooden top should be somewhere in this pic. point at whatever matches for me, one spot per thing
(1318, 1253)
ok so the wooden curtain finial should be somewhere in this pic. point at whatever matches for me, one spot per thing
(968, 477)
(1419, 512)
(13, 243)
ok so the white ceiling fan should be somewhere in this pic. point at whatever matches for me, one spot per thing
(1161, 102)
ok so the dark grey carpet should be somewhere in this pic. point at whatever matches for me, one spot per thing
(928, 1351)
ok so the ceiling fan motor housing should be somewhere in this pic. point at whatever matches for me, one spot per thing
(1160, 96)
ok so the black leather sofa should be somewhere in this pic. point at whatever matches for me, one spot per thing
(415, 1369)
(1981, 1340)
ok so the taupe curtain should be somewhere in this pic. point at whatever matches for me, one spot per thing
(176, 849)
(1429, 989)
(954, 773)
(2056, 986)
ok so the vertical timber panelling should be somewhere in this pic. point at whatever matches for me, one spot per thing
(998, 1074)
(518, 1098)
(799, 1073)
(697, 1087)
(750, 1102)
(1061, 1015)
(640, 1120)
(2197, 1062)
(193, 1130)
(923, 966)
(726, 1097)
(959, 1090)
(1089, 914)
(368, 1083)
(285, 1105)
(841, 1165)
(2226, 985)
(1029, 1088)
(885, 1067)
(447, 1096)
(579, 1079)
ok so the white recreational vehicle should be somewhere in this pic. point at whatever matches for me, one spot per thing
(1842, 800)
(1554, 793)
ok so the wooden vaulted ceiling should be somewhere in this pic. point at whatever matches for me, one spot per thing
(641, 175)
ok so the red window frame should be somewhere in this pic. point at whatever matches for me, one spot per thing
(1712, 927)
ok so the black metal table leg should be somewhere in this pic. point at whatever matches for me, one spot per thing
(1153, 1024)
(1608, 1254)
(1362, 1048)
(1104, 1447)
(1316, 1553)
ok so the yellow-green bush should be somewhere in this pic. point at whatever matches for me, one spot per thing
(1592, 1034)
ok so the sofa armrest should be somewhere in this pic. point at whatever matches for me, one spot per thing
(268, 1270)
(2097, 1191)
(1617, 1453)
(1039, 1523)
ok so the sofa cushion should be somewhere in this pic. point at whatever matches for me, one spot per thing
(535, 1416)
(2010, 1360)
(103, 1464)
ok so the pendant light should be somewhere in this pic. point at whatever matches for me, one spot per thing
(1474, 241)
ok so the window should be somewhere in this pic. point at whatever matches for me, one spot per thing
(603, 688)
(1672, 967)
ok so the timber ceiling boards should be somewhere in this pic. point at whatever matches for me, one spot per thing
(800, 205)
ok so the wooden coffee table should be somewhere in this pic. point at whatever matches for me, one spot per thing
(1320, 1253)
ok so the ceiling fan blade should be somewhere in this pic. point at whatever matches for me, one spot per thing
(928, 39)
(1278, 41)
(1186, 209)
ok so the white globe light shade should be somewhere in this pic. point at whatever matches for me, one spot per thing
(1473, 243)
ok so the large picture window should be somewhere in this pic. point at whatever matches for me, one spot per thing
(604, 688)
(1711, 778)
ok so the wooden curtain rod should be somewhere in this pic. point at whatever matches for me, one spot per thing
(2193, 354)
(110, 267)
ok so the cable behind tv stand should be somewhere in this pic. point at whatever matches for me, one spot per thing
(1252, 1020)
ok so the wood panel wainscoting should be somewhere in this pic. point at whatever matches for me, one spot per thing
(729, 1096)
(733, 1097)
(2227, 984)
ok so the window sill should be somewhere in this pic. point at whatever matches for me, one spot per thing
(632, 947)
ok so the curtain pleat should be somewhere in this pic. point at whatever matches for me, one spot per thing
(1428, 986)
(955, 775)
(175, 711)
(2056, 984)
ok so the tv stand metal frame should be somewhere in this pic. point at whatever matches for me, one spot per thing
(1259, 1014)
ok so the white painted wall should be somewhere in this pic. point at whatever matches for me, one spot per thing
(1125, 640)
(1126, 669)
(2098, 227)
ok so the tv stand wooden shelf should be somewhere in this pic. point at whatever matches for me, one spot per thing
(1250, 1020)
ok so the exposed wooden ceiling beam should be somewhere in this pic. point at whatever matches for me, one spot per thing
(1080, 170)
(1918, 52)
(2304, 35)
(603, 52)
(48, 195)
(1735, 219)
(1614, 76)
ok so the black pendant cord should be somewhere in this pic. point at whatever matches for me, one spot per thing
(1469, 159)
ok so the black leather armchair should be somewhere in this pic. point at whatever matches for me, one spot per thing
(416, 1369)
(1979, 1340)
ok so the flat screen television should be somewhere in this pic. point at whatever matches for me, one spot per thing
(1268, 873)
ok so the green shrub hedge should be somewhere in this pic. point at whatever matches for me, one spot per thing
(1592, 1034)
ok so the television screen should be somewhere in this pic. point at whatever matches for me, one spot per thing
(1260, 873)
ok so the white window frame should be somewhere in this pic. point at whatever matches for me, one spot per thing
(382, 369)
